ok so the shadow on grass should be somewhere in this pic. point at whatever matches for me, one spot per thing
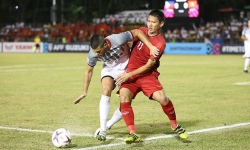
(152, 128)
(146, 130)
(71, 146)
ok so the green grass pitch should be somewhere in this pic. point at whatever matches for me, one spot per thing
(37, 92)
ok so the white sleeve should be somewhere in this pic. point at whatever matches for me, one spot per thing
(120, 39)
(92, 58)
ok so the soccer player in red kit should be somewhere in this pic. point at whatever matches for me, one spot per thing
(142, 75)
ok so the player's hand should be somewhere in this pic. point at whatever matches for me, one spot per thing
(122, 78)
(154, 51)
(80, 98)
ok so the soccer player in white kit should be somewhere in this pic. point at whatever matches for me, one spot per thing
(114, 51)
(246, 37)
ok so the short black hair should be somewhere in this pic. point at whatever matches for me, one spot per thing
(97, 40)
(158, 14)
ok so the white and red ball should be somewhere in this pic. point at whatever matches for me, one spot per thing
(61, 137)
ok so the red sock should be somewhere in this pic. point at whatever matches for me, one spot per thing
(170, 112)
(128, 116)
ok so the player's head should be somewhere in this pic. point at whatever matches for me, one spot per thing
(98, 44)
(155, 21)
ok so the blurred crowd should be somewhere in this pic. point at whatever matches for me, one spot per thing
(229, 31)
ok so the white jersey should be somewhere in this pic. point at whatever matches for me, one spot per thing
(246, 33)
(118, 55)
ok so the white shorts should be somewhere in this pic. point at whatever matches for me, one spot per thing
(247, 50)
(111, 72)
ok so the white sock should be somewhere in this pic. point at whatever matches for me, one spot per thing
(117, 116)
(247, 60)
(104, 108)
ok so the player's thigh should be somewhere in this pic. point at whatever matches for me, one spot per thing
(108, 76)
(129, 89)
(108, 85)
(108, 82)
(125, 95)
(247, 50)
(149, 85)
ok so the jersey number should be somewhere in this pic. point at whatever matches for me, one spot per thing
(139, 47)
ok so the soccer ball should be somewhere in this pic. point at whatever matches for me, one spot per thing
(61, 137)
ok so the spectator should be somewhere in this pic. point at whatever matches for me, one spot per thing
(37, 41)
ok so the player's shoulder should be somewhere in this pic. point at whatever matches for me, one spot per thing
(246, 29)
(91, 54)
(119, 36)
(159, 38)
(159, 41)
(144, 29)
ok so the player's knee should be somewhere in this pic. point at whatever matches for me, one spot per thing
(106, 91)
(162, 99)
(124, 98)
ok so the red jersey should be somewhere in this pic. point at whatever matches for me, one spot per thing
(141, 53)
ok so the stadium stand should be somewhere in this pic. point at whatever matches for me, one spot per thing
(80, 31)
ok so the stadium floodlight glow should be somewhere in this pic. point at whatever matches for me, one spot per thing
(176, 6)
(185, 5)
(181, 8)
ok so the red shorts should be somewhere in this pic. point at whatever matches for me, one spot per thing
(147, 84)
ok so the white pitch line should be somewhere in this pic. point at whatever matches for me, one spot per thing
(169, 136)
(242, 83)
(187, 63)
(19, 66)
(41, 69)
(122, 143)
(36, 65)
(43, 131)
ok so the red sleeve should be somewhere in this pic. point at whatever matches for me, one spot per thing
(160, 43)
(144, 30)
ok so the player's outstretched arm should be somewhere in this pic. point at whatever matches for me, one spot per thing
(139, 34)
(87, 78)
(80, 98)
